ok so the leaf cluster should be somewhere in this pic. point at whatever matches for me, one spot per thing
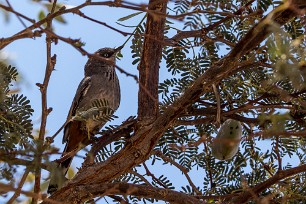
(15, 118)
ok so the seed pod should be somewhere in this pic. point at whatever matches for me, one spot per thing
(226, 144)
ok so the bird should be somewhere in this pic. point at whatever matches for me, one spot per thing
(226, 145)
(99, 83)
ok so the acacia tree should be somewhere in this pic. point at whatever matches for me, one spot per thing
(243, 60)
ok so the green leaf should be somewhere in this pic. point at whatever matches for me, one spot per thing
(41, 15)
(129, 16)
(60, 19)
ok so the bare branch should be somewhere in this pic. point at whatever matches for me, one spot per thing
(20, 185)
(10, 9)
(279, 159)
(45, 110)
(149, 173)
(217, 95)
(17, 14)
(39, 196)
(140, 176)
(78, 12)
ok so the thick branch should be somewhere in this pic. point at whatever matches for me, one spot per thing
(86, 192)
(149, 63)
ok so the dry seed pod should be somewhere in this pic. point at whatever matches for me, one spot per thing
(226, 144)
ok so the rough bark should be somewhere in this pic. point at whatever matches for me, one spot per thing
(85, 192)
(150, 60)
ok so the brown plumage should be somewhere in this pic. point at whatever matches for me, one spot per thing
(100, 83)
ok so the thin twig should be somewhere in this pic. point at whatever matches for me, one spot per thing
(209, 169)
(183, 169)
(37, 196)
(11, 159)
(50, 140)
(247, 195)
(18, 16)
(149, 173)
(140, 176)
(279, 159)
(286, 134)
(198, 33)
(20, 185)
(119, 199)
(78, 12)
(217, 95)
(43, 89)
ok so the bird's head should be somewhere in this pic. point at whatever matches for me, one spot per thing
(109, 53)
(95, 65)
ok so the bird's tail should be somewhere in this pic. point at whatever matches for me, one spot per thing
(58, 172)
(73, 145)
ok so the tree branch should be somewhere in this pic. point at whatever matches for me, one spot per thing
(183, 169)
(199, 33)
(45, 111)
(86, 192)
(247, 195)
(18, 190)
(149, 173)
(149, 66)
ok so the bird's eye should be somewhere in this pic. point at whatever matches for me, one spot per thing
(106, 55)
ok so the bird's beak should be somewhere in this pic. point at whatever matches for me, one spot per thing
(118, 48)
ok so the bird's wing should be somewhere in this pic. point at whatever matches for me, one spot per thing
(80, 94)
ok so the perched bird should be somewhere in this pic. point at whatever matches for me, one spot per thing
(226, 144)
(100, 83)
